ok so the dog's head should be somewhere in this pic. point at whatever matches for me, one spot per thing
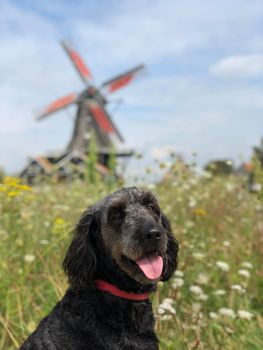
(125, 232)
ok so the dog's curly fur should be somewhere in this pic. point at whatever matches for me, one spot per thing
(109, 238)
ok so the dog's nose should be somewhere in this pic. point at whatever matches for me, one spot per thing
(152, 234)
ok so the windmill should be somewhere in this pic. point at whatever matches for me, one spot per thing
(91, 112)
(92, 117)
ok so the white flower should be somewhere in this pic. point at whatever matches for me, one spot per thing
(245, 314)
(165, 306)
(166, 317)
(168, 208)
(179, 273)
(202, 278)
(167, 301)
(220, 292)
(247, 265)
(189, 224)
(193, 181)
(229, 330)
(44, 241)
(227, 312)
(151, 186)
(192, 203)
(255, 187)
(222, 265)
(258, 207)
(213, 315)
(226, 243)
(198, 256)
(202, 297)
(229, 187)
(47, 223)
(207, 175)
(186, 186)
(193, 327)
(238, 288)
(161, 311)
(29, 258)
(177, 282)
(244, 273)
(196, 290)
(196, 307)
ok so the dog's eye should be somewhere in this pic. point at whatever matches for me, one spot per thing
(116, 215)
(153, 208)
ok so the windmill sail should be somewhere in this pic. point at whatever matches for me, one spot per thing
(122, 80)
(57, 105)
(78, 62)
(104, 121)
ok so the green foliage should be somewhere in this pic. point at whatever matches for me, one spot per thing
(112, 176)
(258, 152)
(258, 175)
(92, 159)
(215, 299)
(2, 173)
(219, 167)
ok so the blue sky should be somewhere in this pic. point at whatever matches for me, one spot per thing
(202, 91)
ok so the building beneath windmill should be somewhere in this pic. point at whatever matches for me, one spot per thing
(92, 118)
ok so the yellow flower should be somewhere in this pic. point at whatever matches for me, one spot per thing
(199, 212)
(24, 187)
(3, 188)
(31, 326)
(59, 221)
(11, 181)
(12, 194)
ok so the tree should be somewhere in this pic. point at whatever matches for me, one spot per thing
(219, 167)
(258, 152)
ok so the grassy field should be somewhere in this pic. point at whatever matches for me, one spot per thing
(215, 299)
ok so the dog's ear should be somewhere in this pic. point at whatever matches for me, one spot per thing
(171, 256)
(80, 262)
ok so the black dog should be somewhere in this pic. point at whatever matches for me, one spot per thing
(123, 245)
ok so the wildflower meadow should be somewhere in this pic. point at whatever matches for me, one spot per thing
(214, 300)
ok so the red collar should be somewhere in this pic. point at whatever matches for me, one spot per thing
(110, 288)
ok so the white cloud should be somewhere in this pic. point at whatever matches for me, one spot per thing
(244, 66)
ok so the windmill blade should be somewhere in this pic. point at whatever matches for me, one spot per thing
(78, 62)
(58, 105)
(122, 80)
(103, 120)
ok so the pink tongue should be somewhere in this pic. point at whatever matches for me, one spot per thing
(151, 266)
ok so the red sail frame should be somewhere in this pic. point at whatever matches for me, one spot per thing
(58, 105)
(102, 119)
(122, 80)
(78, 62)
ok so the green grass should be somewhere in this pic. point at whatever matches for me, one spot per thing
(214, 220)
